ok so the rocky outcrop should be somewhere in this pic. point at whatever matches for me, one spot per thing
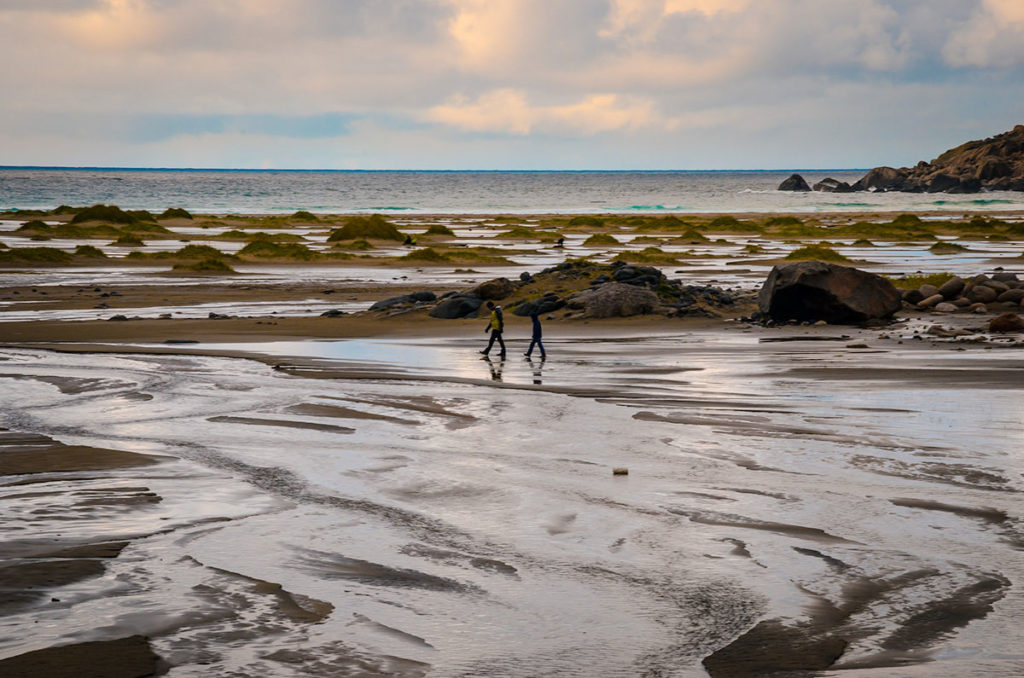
(794, 183)
(816, 290)
(995, 164)
(614, 299)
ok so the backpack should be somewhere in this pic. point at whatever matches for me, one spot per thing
(501, 318)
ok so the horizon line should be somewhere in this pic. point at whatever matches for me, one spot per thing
(115, 168)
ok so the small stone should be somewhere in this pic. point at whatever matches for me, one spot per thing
(620, 471)
(118, 317)
(946, 307)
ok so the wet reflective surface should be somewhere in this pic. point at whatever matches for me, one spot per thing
(406, 508)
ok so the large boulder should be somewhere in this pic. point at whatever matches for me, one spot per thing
(1007, 322)
(615, 299)
(499, 288)
(817, 290)
(794, 183)
(457, 306)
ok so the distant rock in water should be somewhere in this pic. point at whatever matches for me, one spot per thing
(794, 183)
(995, 164)
(831, 185)
(817, 290)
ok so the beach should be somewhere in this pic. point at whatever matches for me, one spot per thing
(249, 472)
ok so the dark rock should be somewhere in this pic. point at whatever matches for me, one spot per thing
(118, 317)
(387, 304)
(912, 296)
(546, 304)
(952, 288)
(816, 290)
(217, 316)
(929, 290)
(794, 183)
(772, 649)
(526, 277)
(1011, 296)
(881, 179)
(981, 294)
(1007, 322)
(423, 295)
(333, 313)
(499, 288)
(457, 306)
(1005, 277)
(831, 185)
(931, 302)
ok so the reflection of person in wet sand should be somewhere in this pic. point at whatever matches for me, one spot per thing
(496, 368)
(537, 369)
(496, 326)
(535, 339)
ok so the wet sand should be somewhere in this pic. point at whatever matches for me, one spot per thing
(362, 495)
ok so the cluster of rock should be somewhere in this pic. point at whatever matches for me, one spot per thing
(980, 294)
(994, 164)
(601, 291)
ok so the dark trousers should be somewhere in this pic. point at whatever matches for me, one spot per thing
(495, 334)
(536, 342)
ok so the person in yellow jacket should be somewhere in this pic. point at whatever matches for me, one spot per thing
(496, 326)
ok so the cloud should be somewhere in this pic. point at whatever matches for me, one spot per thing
(646, 77)
(993, 37)
(507, 111)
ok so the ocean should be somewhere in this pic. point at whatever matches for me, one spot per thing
(463, 192)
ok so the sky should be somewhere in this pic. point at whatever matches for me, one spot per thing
(505, 84)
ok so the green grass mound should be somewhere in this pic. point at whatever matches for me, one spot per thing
(175, 213)
(89, 251)
(730, 224)
(526, 233)
(35, 225)
(945, 247)
(198, 252)
(652, 255)
(65, 209)
(753, 249)
(439, 229)
(109, 213)
(128, 240)
(862, 242)
(784, 221)
(3, 246)
(303, 215)
(586, 220)
(907, 221)
(863, 229)
(141, 215)
(244, 236)
(373, 227)
(693, 235)
(601, 240)
(264, 249)
(355, 245)
(815, 253)
(913, 282)
(35, 255)
(506, 219)
(427, 255)
(206, 266)
(150, 228)
(649, 224)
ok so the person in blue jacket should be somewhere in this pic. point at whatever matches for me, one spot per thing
(535, 341)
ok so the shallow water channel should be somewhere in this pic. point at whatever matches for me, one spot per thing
(406, 508)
